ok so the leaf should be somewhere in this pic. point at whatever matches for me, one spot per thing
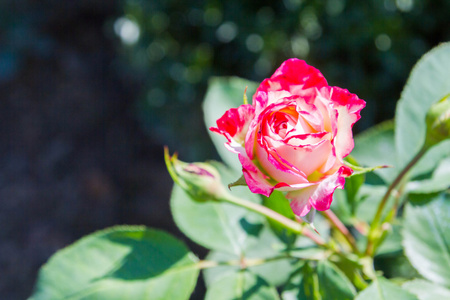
(241, 285)
(222, 94)
(333, 284)
(428, 82)
(392, 245)
(431, 159)
(341, 207)
(273, 271)
(426, 237)
(217, 225)
(278, 202)
(351, 188)
(375, 147)
(301, 285)
(323, 281)
(439, 181)
(371, 196)
(383, 289)
(358, 170)
(211, 275)
(123, 262)
(346, 202)
(425, 290)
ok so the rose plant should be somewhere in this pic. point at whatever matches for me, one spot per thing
(386, 235)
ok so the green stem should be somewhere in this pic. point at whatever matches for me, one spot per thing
(374, 233)
(267, 212)
(337, 224)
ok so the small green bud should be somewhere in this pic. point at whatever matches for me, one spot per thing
(200, 180)
(438, 122)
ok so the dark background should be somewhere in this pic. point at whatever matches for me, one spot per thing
(91, 90)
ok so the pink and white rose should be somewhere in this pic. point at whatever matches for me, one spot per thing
(294, 136)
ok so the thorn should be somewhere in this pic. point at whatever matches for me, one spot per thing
(314, 228)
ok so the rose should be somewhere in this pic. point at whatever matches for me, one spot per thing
(294, 136)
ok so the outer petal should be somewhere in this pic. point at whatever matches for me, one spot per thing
(348, 107)
(235, 122)
(256, 180)
(293, 77)
(300, 200)
(293, 73)
(319, 196)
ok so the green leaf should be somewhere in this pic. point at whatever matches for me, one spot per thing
(392, 245)
(222, 94)
(241, 285)
(341, 207)
(278, 202)
(426, 237)
(352, 186)
(370, 198)
(431, 159)
(375, 147)
(217, 225)
(357, 169)
(382, 289)
(275, 270)
(303, 284)
(323, 281)
(428, 82)
(123, 262)
(333, 284)
(439, 181)
(425, 290)
(211, 275)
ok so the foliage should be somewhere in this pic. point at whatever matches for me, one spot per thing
(260, 250)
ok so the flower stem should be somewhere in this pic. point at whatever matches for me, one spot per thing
(337, 224)
(374, 231)
(267, 212)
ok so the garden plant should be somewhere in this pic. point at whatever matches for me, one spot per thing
(299, 208)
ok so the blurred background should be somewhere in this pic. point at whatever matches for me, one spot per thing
(91, 90)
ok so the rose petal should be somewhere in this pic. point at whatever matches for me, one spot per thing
(318, 196)
(300, 201)
(348, 107)
(256, 180)
(307, 158)
(323, 195)
(295, 72)
(278, 168)
(235, 122)
(293, 77)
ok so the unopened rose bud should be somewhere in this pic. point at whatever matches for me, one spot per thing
(200, 180)
(438, 122)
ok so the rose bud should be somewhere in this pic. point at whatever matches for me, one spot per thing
(438, 122)
(294, 136)
(200, 180)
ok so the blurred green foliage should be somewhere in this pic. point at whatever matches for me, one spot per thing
(368, 47)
